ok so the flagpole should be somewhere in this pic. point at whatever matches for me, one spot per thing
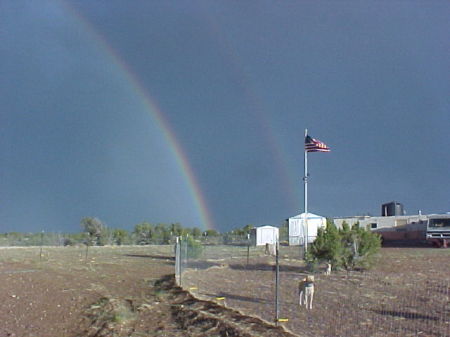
(311, 145)
(305, 184)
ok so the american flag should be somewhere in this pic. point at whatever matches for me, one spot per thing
(314, 145)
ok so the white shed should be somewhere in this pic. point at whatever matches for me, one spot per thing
(297, 228)
(264, 234)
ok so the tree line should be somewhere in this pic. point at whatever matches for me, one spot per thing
(348, 248)
(94, 232)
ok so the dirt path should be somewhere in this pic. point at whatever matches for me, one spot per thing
(206, 318)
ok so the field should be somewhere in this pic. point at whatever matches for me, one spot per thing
(114, 292)
(406, 294)
(129, 291)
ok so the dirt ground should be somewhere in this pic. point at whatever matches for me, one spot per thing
(406, 294)
(127, 291)
(130, 291)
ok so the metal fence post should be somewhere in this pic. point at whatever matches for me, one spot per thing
(186, 251)
(248, 248)
(42, 243)
(277, 283)
(178, 262)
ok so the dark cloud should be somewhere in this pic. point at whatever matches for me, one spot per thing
(238, 84)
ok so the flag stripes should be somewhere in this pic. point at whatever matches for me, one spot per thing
(314, 145)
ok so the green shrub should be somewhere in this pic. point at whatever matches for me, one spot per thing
(348, 248)
(327, 246)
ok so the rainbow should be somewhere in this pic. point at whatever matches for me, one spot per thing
(153, 109)
(281, 158)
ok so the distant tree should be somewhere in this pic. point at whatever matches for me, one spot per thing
(211, 233)
(143, 233)
(284, 231)
(196, 232)
(68, 241)
(161, 234)
(106, 237)
(211, 236)
(185, 231)
(94, 228)
(15, 238)
(241, 231)
(71, 239)
(246, 229)
(119, 236)
(167, 235)
(176, 229)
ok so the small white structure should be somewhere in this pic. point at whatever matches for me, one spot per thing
(297, 228)
(264, 234)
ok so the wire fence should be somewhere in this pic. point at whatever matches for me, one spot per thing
(350, 304)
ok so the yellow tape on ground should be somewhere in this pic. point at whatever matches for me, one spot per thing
(220, 298)
(283, 320)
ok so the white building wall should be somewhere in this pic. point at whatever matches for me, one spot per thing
(297, 228)
(375, 222)
(264, 234)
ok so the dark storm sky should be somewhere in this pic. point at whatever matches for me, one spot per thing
(236, 83)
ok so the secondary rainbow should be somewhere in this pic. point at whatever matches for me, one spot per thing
(287, 176)
(152, 108)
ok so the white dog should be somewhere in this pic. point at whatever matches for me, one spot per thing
(328, 270)
(306, 291)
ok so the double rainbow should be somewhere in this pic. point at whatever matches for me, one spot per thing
(152, 108)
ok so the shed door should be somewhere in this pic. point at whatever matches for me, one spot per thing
(267, 236)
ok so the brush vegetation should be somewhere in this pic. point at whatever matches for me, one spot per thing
(347, 248)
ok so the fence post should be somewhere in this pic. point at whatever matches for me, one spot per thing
(42, 243)
(277, 283)
(248, 248)
(186, 251)
(178, 262)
